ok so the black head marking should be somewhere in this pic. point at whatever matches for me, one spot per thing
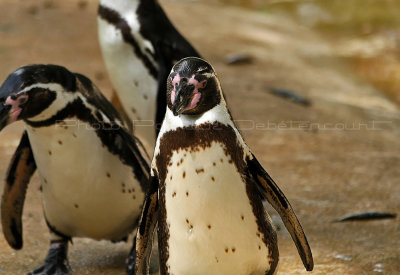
(192, 87)
(18, 101)
(16, 94)
(34, 74)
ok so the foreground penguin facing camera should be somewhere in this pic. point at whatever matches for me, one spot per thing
(140, 45)
(93, 175)
(207, 189)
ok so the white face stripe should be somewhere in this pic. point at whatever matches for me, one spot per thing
(208, 75)
(62, 99)
(50, 86)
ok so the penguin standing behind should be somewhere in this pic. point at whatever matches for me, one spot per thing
(140, 46)
(93, 175)
(207, 188)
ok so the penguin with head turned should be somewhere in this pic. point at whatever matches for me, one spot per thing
(93, 173)
(207, 189)
(140, 45)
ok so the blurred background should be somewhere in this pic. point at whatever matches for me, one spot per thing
(365, 34)
(314, 87)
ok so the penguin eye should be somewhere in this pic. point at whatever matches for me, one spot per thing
(23, 100)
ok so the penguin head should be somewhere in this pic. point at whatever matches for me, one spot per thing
(192, 87)
(30, 90)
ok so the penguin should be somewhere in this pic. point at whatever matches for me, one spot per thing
(139, 46)
(93, 172)
(207, 189)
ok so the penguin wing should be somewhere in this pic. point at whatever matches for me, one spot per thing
(96, 98)
(116, 102)
(270, 191)
(147, 224)
(21, 169)
(114, 134)
(132, 151)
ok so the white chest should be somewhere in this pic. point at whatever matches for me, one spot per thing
(135, 86)
(211, 223)
(87, 191)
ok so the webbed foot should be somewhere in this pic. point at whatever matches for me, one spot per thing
(56, 262)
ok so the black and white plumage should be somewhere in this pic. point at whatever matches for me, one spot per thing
(92, 171)
(140, 46)
(207, 189)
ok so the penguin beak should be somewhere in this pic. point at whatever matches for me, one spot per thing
(183, 97)
(4, 115)
(11, 109)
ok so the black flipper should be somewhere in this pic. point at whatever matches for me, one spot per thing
(136, 155)
(56, 262)
(139, 257)
(116, 102)
(113, 133)
(270, 191)
(19, 173)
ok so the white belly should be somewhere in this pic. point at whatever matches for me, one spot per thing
(136, 88)
(211, 223)
(87, 191)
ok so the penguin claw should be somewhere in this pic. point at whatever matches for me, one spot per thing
(52, 269)
(56, 262)
(130, 263)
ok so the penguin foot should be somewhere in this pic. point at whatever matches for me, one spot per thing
(56, 262)
(130, 262)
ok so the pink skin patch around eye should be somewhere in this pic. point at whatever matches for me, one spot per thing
(197, 85)
(196, 97)
(194, 101)
(15, 106)
(175, 80)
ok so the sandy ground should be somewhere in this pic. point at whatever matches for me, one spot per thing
(341, 155)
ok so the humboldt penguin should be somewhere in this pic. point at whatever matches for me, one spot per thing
(93, 172)
(207, 189)
(140, 45)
